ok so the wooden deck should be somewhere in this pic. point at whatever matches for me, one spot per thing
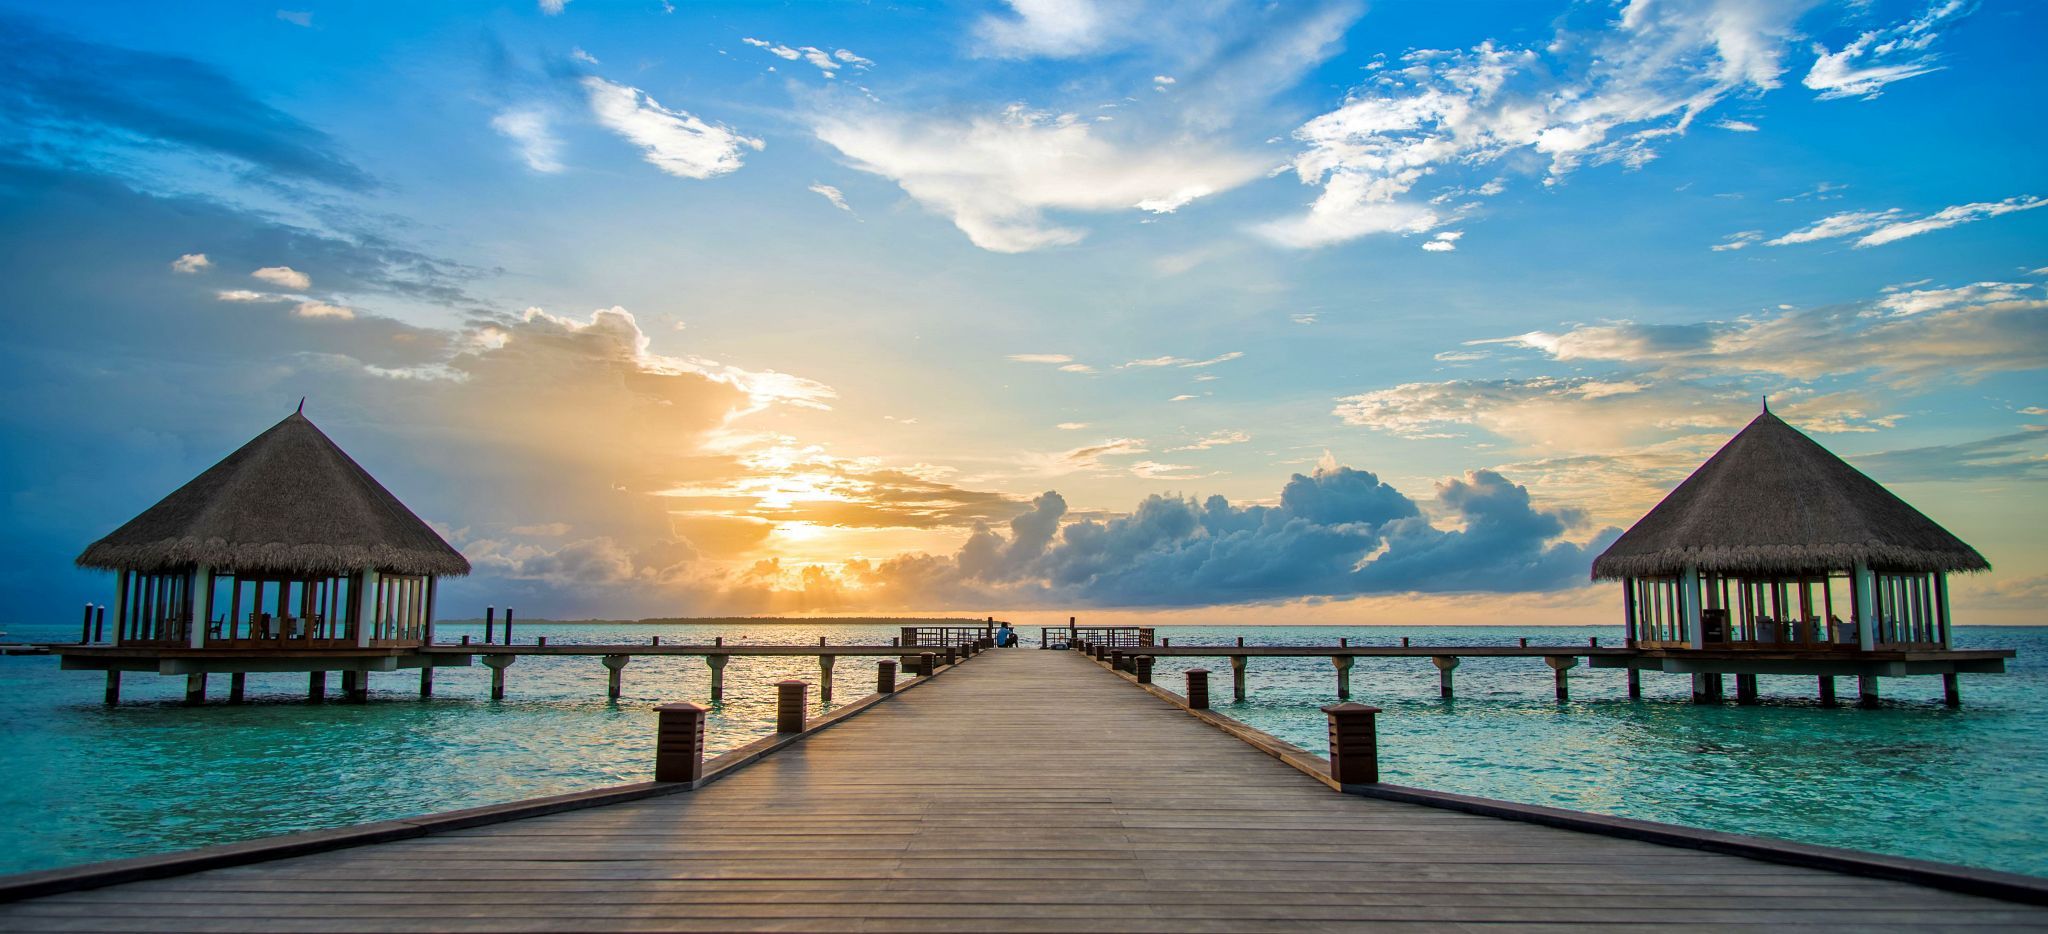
(1026, 791)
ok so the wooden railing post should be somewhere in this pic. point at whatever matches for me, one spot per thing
(1354, 744)
(679, 743)
(1198, 688)
(885, 677)
(1144, 669)
(790, 700)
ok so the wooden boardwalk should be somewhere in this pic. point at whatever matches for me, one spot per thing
(1026, 791)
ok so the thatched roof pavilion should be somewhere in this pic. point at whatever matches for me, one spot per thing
(1775, 501)
(1771, 543)
(288, 501)
(286, 544)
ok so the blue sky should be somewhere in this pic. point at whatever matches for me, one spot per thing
(980, 307)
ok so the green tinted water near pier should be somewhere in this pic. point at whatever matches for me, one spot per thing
(83, 782)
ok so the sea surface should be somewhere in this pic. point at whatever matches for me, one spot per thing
(85, 782)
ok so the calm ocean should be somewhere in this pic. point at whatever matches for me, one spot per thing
(1914, 778)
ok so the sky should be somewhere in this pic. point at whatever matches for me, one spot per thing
(1210, 311)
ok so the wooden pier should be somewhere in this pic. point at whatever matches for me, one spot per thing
(1022, 791)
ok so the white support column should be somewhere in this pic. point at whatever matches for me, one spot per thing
(1866, 607)
(1689, 605)
(202, 606)
(1941, 604)
(366, 607)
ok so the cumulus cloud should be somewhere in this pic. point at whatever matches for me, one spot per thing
(190, 263)
(674, 141)
(311, 309)
(831, 194)
(1606, 94)
(1881, 56)
(1881, 227)
(528, 127)
(1337, 532)
(1443, 242)
(284, 277)
(996, 177)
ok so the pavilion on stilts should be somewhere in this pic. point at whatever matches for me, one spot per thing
(1777, 557)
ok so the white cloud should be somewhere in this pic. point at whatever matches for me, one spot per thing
(1071, 426)
(1154, 470)
(673, 141)
(190, 263)
(828, 63)
(1077, 368)
(586, 58)
(528, 127)
(296, 17)
(553, 7)
(1881, 56)
(1161, 82)
(245, 295)
(1212, 361)
(323, 310)
(1738, 126)
(1307, 317)
(829, 193)
(1183, 397)
(1738, 240)
(284, 276)
(1583, 98)
(1881, 227)
(1901, 301)
(1049, 28)
(1214, 439)
(995, 177)
(1443, 242)
(1041, 358)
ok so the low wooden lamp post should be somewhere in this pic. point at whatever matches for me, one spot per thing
(1354, 743)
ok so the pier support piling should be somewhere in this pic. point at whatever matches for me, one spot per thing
(1343, 665)
(1635, 684)
(615, 670)
(825, 663)
(885, 677)
(1827, 691)
(195, 689)
(498, 664)
(316, 687)
(426, 682)
(1559, 664)
(1745, 689)
(1952, 689)
(238, 684)
(1866, 691)
(1445, 664)
(113, 688)
(355, 685)
(790, 701)
(1198, 688)
(1354, 744)
(1237, 666)
(678, 742)
(717, 663)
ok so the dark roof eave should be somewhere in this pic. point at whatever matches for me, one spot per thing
(1787, 559)
(173, 554)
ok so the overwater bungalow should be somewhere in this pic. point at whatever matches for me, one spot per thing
(1777, 557)
(284, 556)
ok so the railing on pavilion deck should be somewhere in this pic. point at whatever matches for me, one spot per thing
(273, 611)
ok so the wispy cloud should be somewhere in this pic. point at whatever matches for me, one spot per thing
(1881, 56)
(284, 277)
(1877, 228)
(1041, 358)
(827, 63)
(834, 195)
(302, 18)
(1738, 240)
(674, 141)
(1214, 439)
(528, 127)
(191, 263)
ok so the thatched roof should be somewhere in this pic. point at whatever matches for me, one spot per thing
(288, 501)
(1774, 500)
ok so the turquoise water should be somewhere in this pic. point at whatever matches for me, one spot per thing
(1914, 778)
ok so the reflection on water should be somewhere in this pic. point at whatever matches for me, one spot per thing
(152, 776)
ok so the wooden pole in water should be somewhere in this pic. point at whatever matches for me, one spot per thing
(497, 664)
(355, 686)
(1343, 663)
(508, 625)
(1952, 689)
(113, 687)
(1866, 691)
(99, 624)
(617, 666)
(1559, 664)
(490, 623)
(426, 680)
(195, 689)
(717, 663)
(316, 686)
(1445, 664)
(825, 663)
(1237, 666)
(85, 627)
(1635, 684)
(237, 685)
(1827, 691)
(1745, 689)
